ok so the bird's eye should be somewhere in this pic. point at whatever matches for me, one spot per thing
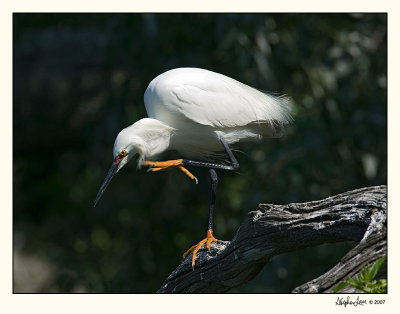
(122, 153)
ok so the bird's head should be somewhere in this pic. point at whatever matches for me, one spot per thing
(147, 137)
(126, 145)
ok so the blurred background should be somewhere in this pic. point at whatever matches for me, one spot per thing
(79, 79)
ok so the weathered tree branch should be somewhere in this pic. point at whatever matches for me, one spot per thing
(366, 252)
(358, 215)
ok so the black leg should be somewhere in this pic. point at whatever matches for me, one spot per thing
(233, 166)
(214, 184)
(214, 178)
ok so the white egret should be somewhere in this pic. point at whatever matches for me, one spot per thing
(198, 113)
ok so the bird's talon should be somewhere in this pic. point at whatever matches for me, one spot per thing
(169, 164)
(195, 248)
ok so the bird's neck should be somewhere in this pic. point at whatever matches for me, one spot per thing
(152, 137)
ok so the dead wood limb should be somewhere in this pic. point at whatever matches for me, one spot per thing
(275, 229)
(366, 252)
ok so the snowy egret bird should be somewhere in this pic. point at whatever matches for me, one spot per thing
(199, 113)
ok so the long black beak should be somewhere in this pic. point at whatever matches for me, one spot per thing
(113, 170)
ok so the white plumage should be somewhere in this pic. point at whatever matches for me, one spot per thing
(209, 98)
(197, 106)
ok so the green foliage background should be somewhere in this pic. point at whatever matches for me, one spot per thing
(79, 78)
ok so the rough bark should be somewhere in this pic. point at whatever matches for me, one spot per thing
(358, 215)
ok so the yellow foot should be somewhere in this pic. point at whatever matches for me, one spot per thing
(209, 238)
(169, 164)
